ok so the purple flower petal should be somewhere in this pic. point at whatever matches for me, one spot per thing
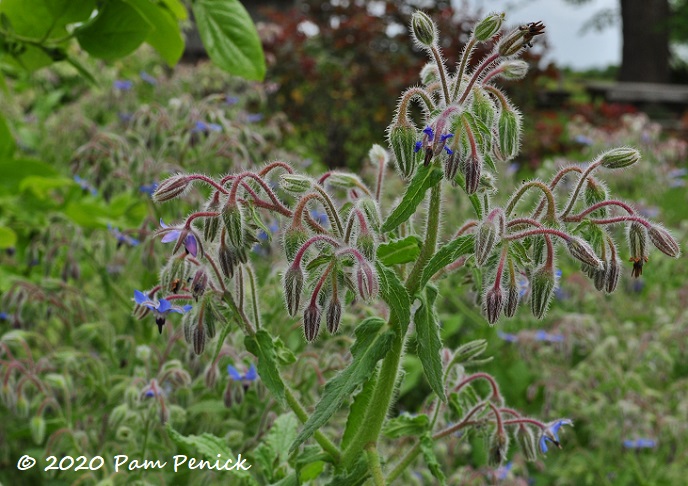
(190, 244)
(140, 297)
(233, 373)
(251, 374)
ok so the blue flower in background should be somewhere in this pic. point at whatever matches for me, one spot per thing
(551, 433)
(147, 78)
(125, 117)
(503, 471)
(509, 338)
(541, 335)
(640, 444)
(250, 375)
(3, 316)
(203, 127)
(148, 188)
(583, 140)
(231, 100)
(160, 308)
(122, 84)
(320, 217)
(417, 147)
(122, 239)
(254, 117)
(85, 185)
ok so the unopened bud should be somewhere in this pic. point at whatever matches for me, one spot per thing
(233, 218)
(229, 259)
(344, 180)
(402, 141)
(482, 106)
(472, 169)
(175, 274)
(293, 286)
(333, 316)
(172, 187)
(366, 243)
(619, 158)
(512, 43)
(509, 133)
(423, 29)
(599, 277)
(378, 155)
(488, 27)
(295, 183)
(542, 289)
(211, 373)
(199, 283)
(371, 209)
(451, 167)
(498, 448)
(198, 338)
(37, 428)
(637, 241)
(311, 322)
(511, 301)
(582, 251)
(526, 442)
(211, 225)
(228, 396)
(493, 303)
(366, 280)
(595, 192)
(486, 236)
(514, 69)
(293, 239)
(470, 350)
(613, 272)
(188, 324)
(663, 241)
(429, 73)
(211, 317)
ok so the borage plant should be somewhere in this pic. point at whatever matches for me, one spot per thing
(469, 127)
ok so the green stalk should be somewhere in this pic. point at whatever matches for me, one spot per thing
(374, 465)
(389, 371)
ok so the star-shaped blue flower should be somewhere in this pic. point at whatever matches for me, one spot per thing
(551, 433)
(245, 379)
(160, 308)
(190, 242)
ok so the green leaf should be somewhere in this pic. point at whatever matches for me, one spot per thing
(357, 411)
(353, 477)
(285, 356)
(370, 347)
(15, 170)
(43, 187)
(8, 238)
(165, 35)
(395, 295)
(396, 252)
(7, 143)
(429, 341)
(281, 435)
(427, 449)
(177, 8)
(230, 37)
(311, 471)
(208, 446)
(406, 425)
(117, 30)
(447, 254)
(262, 346)
(424, 179)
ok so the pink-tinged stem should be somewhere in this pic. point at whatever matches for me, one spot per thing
(321, 282)
(622, 219)
(579, 217)
(465, 227)
(484, 376)
(274, 165)
(541, 232)
(579, 185)
(524, 420)
(486, 62)
(207, 180)
(313, 239)
(500, 268)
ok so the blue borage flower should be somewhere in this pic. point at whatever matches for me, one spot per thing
(508, 337)
(203, 127)
(152, 389)
(231, 100)
(123, 84)
(250, 375)
(640, 444)
(502, 472)
(122, 239)
(320, 217)
(147, 78)
(541, 335)
(190, 242)
(85, 185)
(160, 308)
(148, 188)
(3, 316)
(254, 117)
(551, 433)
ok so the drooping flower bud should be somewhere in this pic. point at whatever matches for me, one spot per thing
(172, 187)
(378, 155)
(583, 252)
(526, 442)
(233, 218)
(188, 324)
(371, 209)
(429, 73)
(472, 169)
(293, 239)
(37, 428)
(599, 276)
(511, 301)
(483, 107)
(613, 272)
(366, 280)
(366, 243)
(293, 286)
(295, 183)
(498, 448)
(486, 236)
(199, 283)
(333, 316)
(514, 69)
(311, 322)
(488, 27)
(229, 259)
(594, 193)
(210, 375)
(198, 338)
(542, 289)
(663, 241)
(512, 43)
(509, 133)
(212, 225)
(637, 241)
(493, 304)
(451, 167)
(423, 29)
(175, 274)
(619, 158)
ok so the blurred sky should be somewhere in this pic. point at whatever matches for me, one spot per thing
(567, 45)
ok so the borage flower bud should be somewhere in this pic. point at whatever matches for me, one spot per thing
(498, 448)
(423, 29)
(295, 183)
(511, 301)
(582, 251)
(199, 283)
(311, 322)
(378, 155)
(429, 73)
(333, 315)
(488, 27)
(514, 69)
(37, 428)
(371, 209)
(211, 225)
(542, 289)
(493, 303)
(402, 140)
(509, 133)
(526, 442)
(594, 193)
(344, 180)
(512, 43)
(293, 286)
(663, 241)
(366, 280)
(451, 167)
(613, 272)
(229, 259)
(472, 169)
(233, 218)
(599, 276)
(619, 158)
(486, 236)
(482, 106)
(172, 187)
(293, 239)
(198, 338)
(210, 375)
(366, 243)
(637, 241)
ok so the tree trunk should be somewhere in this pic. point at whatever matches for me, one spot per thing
(645, 54)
